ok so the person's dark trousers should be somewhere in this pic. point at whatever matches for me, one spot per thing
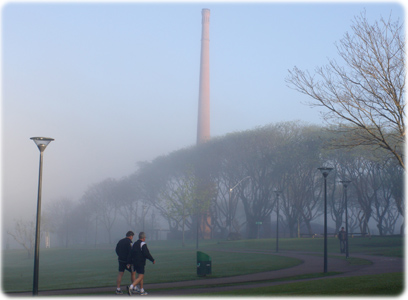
(342, 246)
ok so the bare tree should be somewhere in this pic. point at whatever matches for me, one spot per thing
(385, 211)
(102, 197)
(59, 214)
(129, 200)
(353, 214)
(180, 197)
(297, 159)
(24, 234)
(364, 94)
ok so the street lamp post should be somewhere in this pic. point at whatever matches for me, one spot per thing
(345, 185)
(197, 230)
(229, 214)
(277, 219)
(143, 220)
(41, 143)
(325, 172)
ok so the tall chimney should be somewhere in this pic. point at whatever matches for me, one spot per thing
(203, 126)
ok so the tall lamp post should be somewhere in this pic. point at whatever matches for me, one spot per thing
(325, 172)
(143, 220)
(41, 143)
(277, 219)
(345, 185)
(229, 211)
(229, 202)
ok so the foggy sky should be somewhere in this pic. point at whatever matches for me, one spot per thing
(115, 84)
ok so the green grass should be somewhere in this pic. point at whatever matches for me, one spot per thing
(76, 268)
(390, 284)
(387, 246)
(97, 267)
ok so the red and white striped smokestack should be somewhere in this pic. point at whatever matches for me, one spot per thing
(203, 126)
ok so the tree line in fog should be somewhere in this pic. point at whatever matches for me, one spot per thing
(242, 171)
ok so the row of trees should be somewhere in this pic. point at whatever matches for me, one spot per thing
(165, 193)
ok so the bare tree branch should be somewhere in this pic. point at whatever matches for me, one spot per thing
(364, 94)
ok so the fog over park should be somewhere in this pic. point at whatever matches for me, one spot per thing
(117, 84)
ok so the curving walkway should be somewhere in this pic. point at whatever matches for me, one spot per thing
(311, 264)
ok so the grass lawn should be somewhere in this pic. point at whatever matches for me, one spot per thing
(97, 267)
(390, 284)
(76, 268)
(387, 246)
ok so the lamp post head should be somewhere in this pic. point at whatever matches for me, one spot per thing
(239, 183)
(345, 183)
(325, 171)
(41, 142)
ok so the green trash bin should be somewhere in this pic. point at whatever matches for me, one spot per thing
(203, 264)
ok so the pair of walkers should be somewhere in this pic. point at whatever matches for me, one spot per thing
(133, 259)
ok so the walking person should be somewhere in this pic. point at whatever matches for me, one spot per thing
(138, 257)
(343, 240)
(123, 248)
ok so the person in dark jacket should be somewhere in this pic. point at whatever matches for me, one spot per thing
(343, 240)
(123, 248)
(138, 257)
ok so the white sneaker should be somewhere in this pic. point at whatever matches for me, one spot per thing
(143, 293)
(136, 290)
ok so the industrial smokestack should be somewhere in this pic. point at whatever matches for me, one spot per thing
(203, 126)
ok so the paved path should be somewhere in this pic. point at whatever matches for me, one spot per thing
(311, 264)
